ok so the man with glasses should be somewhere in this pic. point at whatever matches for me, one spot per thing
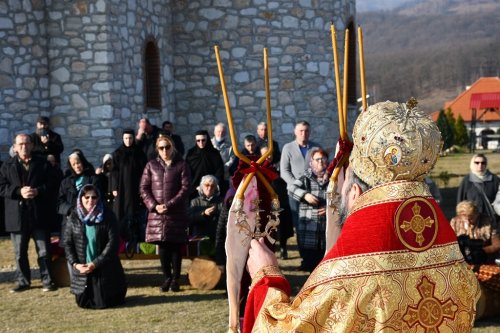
(25, 182)
(480, 186)
(203, 159)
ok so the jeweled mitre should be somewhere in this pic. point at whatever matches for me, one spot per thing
(394, 141)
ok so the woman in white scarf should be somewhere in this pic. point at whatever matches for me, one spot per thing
(480, 186)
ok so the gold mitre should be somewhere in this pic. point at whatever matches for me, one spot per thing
(394, 141)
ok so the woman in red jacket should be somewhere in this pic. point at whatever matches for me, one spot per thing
(165, 190)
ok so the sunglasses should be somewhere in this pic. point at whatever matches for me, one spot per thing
(167, 147)
(93, 197)
(480, 162)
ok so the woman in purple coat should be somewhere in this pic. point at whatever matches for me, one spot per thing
(165, 190)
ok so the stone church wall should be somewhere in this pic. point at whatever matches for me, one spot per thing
(81, 63)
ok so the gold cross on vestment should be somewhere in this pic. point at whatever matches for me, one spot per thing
(430, 312)
(417, 224)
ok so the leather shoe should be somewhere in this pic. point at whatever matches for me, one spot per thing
(175, 286)
(165, 286)
(19, 288)
(49, 287)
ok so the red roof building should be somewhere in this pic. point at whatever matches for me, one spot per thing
(478, 105)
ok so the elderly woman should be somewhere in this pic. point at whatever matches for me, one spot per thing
(164, 188)
(480, 186)
(469, 225)
(310, 191)
(204, 212)
(91, 247)
(79, 173)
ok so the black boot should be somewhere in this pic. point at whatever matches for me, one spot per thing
(174, 286)
(283, 253)
(166, 285)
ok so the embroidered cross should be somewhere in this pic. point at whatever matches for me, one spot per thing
(417, 224)
(430, 311)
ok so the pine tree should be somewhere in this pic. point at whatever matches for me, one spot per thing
(461, 133)
(446, 130)
(450, 118)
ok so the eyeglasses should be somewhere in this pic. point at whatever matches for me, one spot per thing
(209, 185)
(167, 147)
(93, 197)
(320, 159)
(201, 140)
(480, 162)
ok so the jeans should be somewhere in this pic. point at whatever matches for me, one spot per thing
(20, 240)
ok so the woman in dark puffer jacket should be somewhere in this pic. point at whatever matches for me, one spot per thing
(91, 247)
(165, 190)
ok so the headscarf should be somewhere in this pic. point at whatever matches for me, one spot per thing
(96, 214)
(88, 168)
(479, 175)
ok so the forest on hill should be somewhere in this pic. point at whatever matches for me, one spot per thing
(430, 49)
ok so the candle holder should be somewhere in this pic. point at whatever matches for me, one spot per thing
(244, 227)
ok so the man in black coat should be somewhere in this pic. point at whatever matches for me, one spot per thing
(25, 181)
(146, 138)
(263, 141)
(45, 141)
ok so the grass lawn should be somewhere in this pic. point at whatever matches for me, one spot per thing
(148, 310)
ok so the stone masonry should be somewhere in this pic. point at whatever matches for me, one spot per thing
(81, 63)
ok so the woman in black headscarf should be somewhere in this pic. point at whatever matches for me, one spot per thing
(203, 159)
(128, 163)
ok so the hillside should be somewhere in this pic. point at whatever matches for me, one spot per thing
(431, 49)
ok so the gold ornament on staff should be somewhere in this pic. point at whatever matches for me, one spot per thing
(241, 218)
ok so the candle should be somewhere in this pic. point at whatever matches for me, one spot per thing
(362, 67)
(241, 191)
(337, 79)
(268, 111)
(344, 98)
(228, 108)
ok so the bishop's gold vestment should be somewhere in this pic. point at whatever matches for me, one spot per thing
(396, 267)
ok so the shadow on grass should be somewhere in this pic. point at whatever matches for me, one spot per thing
(487, 322)
(142, 300)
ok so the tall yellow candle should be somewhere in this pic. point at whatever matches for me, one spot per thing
(362, 67)
(229, 114)
(346, 67)
(337, 79)
(268, 110)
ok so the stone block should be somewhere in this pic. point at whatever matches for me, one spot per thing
(101, 112)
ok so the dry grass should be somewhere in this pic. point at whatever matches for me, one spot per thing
(146, 309)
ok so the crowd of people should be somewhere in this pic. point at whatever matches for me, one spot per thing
(152, 189)
(155, 190)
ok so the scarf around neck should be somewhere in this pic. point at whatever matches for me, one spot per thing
(94, 216)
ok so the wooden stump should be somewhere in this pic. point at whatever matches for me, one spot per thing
(204, 274)
(488, 305)
(59, 271)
